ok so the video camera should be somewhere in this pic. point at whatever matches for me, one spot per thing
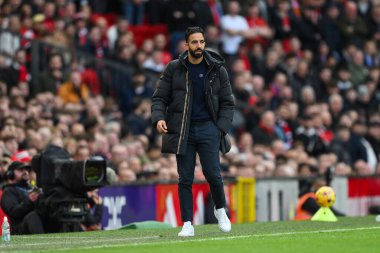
(65, 184)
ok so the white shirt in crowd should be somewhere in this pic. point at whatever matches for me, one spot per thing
(231, 43)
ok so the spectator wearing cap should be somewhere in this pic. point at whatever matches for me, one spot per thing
(38, 25)
(19, 201)
(21, 156)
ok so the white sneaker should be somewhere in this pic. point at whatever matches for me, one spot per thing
(187, 230)
(223, 221)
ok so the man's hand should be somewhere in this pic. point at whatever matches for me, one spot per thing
(161, 127)
(57, 74)
(95, 197)
(33, 196)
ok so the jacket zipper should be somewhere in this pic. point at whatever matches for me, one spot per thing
(208, 72)
(209, 98)
(181, 135)
(211, 106)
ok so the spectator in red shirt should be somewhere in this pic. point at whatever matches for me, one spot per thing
(259, 31)
(49, 13)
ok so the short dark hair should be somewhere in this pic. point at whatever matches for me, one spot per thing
(193, 29)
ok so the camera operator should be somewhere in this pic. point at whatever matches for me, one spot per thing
(19, 200)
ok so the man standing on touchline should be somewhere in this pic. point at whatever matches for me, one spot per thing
(193, 107)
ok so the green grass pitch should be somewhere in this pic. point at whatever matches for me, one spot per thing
(359, 234)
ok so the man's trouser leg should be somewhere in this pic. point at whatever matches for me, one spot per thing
(32, 224)
(185, 168)
(208, 141)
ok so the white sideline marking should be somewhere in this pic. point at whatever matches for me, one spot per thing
(83, 237)
(99, 240)
(258, 235)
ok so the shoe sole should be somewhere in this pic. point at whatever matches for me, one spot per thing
(223, 230)
(186, 235)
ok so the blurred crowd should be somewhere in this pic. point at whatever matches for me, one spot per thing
(305, 75)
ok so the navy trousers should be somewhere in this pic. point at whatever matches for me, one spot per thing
(204, 139)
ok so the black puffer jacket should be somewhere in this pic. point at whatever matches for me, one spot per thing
(173, 98)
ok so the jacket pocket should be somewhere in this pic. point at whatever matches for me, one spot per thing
(169, 143)
(174, 122)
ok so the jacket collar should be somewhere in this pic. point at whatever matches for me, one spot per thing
(211, 58)
(19, 185)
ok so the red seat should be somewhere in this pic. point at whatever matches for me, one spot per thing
(143, 32)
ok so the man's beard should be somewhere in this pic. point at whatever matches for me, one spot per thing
(198, 53)
(24, 181)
